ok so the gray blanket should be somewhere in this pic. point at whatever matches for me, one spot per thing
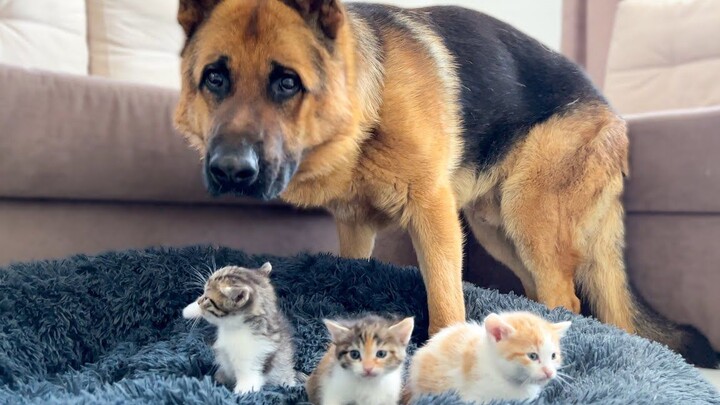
(108, 329)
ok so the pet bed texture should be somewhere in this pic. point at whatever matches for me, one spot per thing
(108, 330)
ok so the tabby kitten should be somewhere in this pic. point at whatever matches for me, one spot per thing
(511, 356)
(254, 343)
(363, 364)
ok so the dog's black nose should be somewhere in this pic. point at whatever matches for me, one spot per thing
(234, 168)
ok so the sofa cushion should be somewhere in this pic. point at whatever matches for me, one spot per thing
(673, 162)
(136, 40)
(89, 138)
(663, 55)
(47, 34)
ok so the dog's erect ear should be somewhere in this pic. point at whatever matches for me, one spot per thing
(326, 15)
(192, 13)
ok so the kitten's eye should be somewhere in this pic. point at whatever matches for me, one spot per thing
(354, 354)
(554, 355)
(381, 354)
(533, 356)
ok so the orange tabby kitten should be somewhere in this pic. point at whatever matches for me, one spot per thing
(510, 356)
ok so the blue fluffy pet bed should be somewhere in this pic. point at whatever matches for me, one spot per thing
(107, 329)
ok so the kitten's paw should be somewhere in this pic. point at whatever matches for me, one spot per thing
(244, 388)
(246, 385)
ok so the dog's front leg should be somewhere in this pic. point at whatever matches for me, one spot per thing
(437, 238)
(357, 239)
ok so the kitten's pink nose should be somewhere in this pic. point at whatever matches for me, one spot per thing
(368, 371)
(548, 372)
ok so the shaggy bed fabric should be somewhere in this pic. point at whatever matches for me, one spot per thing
(107, 329)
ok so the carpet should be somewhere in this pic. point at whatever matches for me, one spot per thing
(107, 330)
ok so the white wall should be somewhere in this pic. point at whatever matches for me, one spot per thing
(541, 19)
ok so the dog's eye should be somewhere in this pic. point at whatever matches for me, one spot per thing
(217, 81)
(284, 84)
(288, 83)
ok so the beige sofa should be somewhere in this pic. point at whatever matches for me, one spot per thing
(659, 64)
(90, 163)
(89, 160)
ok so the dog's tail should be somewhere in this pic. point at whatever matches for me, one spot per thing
(684, 339)
(615, 303)
(604, 282)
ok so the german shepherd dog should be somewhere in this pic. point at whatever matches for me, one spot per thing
(412, 117)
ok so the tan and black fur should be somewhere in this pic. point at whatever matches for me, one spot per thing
(409, 117)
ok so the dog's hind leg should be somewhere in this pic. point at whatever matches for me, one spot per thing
(544, 243)
(558, 180)
(603, 280)
(497, 244)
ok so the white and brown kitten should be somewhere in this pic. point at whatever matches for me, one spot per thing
(511, 356)
(363, 363)
(254, 343)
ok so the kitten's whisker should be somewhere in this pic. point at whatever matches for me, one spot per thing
(564, 382)
(194, 324)
(565, 377)
(199, 276)
(526, 380)
(561, 382)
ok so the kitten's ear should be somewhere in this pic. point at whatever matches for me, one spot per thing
(336, 330)
(239, 295)
(562, 327)
(497, 328)
(192, 13)
(325, 15)
(403, 330)
(265, 269)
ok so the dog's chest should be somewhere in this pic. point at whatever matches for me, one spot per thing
(372, 195)
(365, 207)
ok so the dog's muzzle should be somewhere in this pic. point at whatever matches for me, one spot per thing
(233, 168)
(240, 170)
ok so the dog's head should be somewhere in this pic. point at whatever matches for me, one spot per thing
(263, 83)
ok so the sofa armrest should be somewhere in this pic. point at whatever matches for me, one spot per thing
(674, 165)
(87, 138)
(586, 34)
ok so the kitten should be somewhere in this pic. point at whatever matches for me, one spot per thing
(363, 364)
(254, 343)
(511, 356)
